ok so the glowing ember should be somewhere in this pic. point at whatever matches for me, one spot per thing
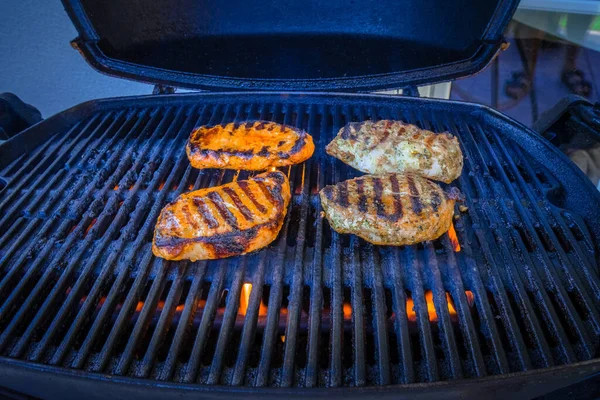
(191, 187)
(282, 337)
(453, 238)
(116, 187)
(162, 185)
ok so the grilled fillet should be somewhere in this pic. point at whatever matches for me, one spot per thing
(223, 221)
(256, 146)
(394, 146)
(392, 209)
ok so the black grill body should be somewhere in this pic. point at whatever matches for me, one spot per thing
(84, 304)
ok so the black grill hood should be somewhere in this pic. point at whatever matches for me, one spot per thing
(315, 45)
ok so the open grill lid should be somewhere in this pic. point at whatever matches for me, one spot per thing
(304, 45)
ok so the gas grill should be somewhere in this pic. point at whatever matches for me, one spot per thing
(508, 301)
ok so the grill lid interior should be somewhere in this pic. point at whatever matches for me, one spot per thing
(292, 45)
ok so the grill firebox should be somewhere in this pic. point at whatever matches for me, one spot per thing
(80, 288)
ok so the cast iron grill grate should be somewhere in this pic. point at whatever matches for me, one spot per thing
(80, 289)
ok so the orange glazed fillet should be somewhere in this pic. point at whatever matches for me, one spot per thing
(255, 146)
(223, 221)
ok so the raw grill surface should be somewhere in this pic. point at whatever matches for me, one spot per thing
(80, 288)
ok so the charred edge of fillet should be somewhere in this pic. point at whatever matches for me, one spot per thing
(222, 209)
(277, 176)
(238, 203)
(362, 199)
(223, 245)
(415, 200)
(454, 194)
(342, 194)
(205, 213)
(244, 186)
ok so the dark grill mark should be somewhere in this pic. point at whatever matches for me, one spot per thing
(283, 155)
(342, 198)
(378, 191)
(188, 216)
(347, 130)
(299, 144)
(249, 125)
(222, 208)
(238, 203)
(264, 151)
(261, 125)
(244, 186)
(281, 143)
(436, 200)
(362, 199)
(328, 192)
(266, 192)
(246, 154)
(397, 198)
(204, 211)
(415, 198)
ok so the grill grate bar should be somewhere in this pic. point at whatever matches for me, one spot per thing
(275, 296)
(36, 292)
(379, 320)
(429, 367)
(295, 303)
(337, 335)
(446, 333)
(316, 294)
(164, 322)
(150, 302)
(74, 294)
(464, 316)
(231, 310)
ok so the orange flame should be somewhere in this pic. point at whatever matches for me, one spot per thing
(245, 301)
(453, 238)
(347, 311)
(162, 185)
(191, 187)
(412, 315)
(90, 226)
(116, 187)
